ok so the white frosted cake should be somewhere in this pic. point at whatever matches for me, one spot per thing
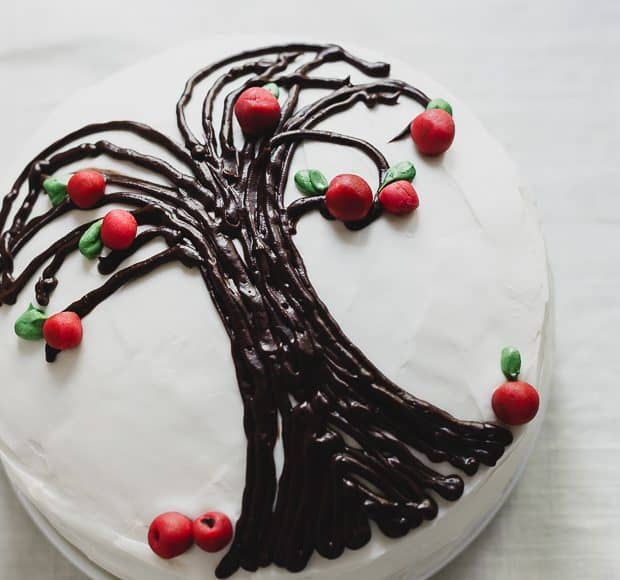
(311, 410)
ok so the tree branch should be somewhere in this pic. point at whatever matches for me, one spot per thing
(229, 152)
(191, 141)
(11, 288)
(92, 299)
(266, 68)
(144, 131)
(172, 237)
(330, 137)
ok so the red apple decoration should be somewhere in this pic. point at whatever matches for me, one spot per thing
(63, 331)
(119, 229)
(170, 535)
(348, 197)
(257, 111)
(433, 131)
(399, 198)
(86, 188)
(212, 531)
(515, 402)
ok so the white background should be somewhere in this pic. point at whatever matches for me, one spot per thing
(544, 77)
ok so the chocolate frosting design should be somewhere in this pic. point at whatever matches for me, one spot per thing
(348, 432)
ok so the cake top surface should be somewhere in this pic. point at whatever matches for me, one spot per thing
(146, 415)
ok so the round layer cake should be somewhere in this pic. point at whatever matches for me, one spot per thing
(153, 412)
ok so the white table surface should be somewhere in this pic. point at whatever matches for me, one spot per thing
(544, 77)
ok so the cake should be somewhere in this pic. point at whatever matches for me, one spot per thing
(329, 385)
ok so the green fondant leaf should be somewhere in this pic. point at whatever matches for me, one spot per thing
(318, 180)
(511, 363)
(29, 325)
(90, 244)
(311, 182)
(273, 89)
(440, 104)
(403, 170)
(56, 189)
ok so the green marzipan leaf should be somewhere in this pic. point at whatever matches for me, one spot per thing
(29, 325)
(56, 189)
(403, 170)
(273, 89)
(311, 182)
(318, 180)
(511, 363)
(440, 104)
(90, 243)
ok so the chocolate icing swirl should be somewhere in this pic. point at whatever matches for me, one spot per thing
(348, 431)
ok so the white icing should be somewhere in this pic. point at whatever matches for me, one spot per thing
(102, 444)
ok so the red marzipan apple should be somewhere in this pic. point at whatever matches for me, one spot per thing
(212, 531)
(348, 197)
(170, 535)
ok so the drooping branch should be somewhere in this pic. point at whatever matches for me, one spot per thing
(191, 211)
(35, 168)
(172, 237)
(336, 102)
(386, 93)
(329, 53)
(11, 288)
(154, 164)
(20, 232)
(92, 299)
(331, 137)
(59, 250)
(371, 94)
(301, 206)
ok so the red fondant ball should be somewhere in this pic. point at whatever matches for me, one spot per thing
(257, 111)
(86, 188)
(348, 197)
(515, 402)
(63, 331)
(170, 535)
(212, 531)
(119, 229)
(433, 131)
(399, 198)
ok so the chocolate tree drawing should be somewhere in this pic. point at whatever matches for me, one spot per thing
(347, 431)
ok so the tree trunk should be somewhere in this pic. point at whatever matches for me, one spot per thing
(347, 431)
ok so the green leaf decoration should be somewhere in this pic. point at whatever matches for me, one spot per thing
(56, 189)
(318, 180)
(311, 182)
(511, 363)
(403, 170)
(273, 89)
(29, 325)
(440, 104)
(90, 243)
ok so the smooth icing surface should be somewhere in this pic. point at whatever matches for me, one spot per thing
(102, 444)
